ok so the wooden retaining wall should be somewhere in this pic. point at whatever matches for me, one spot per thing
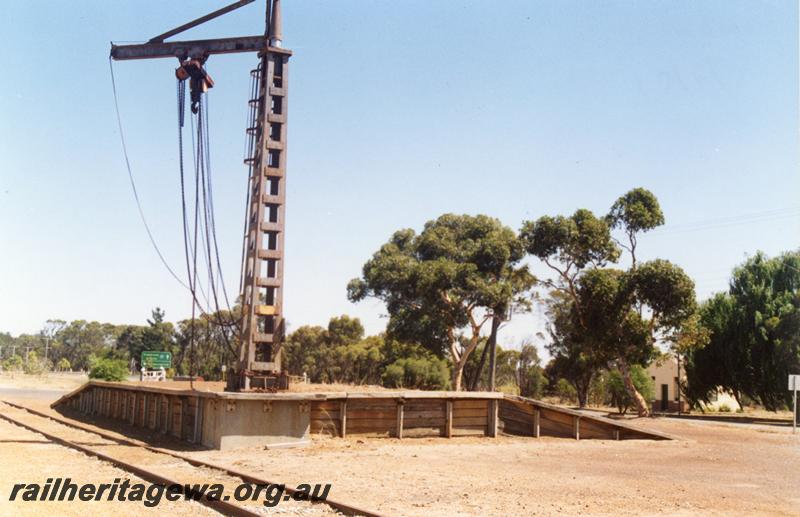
(409, 414)
(179, 413)
(528, 417)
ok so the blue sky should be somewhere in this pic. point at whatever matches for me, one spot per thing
(398, 112)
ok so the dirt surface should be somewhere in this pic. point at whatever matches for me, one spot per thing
(69, 381)
(175, 469)
(27, 457)
(50, 381)
(714, 469)
(218, 386)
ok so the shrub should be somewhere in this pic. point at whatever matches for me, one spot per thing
(509, 388)
(109, 370)
(393, 375)
(566, 392)
(13, 363)
(35, 366)
(598, 390)
(64, 365)
(417, 372)
(724, 408)
(532, 382)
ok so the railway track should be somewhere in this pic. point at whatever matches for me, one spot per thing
(157, 465)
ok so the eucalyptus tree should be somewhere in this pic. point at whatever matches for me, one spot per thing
(605, 317)
(569, 245)
(459, 273)
(635, 212)
(628, 312)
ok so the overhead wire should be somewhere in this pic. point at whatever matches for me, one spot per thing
(735, 220)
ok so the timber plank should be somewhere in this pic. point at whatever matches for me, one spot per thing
(424, 414)
(471, 404)
(476, 421)
(470, 412)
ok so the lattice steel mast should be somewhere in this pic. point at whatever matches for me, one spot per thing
(262, 294)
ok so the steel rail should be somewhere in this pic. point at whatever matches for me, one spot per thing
(344, 508)
(221, 506)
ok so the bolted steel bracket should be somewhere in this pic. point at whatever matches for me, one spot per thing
(231, 406)
(267, 407)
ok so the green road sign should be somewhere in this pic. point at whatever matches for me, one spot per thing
(152, 359)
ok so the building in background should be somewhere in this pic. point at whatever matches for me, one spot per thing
(665, 374)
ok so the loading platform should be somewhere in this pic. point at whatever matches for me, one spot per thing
(225, 420)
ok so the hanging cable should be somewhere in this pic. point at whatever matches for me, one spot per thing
(210, 219)
(203, 230)
(133, 183)
(203, 168)
(204, 222)
(212, 212)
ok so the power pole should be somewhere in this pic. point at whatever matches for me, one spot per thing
(492, 343)
(678, 383)
(259, 364)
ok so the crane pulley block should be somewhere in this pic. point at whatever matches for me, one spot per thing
(199, 80)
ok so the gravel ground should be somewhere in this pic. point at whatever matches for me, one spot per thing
(27, 457)
(53, 460)
(714, 469)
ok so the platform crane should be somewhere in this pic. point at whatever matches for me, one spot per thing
(262, 326)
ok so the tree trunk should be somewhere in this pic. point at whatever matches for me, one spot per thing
(638, 400)
(489, 347)
(458, 365)
(472, 383)
(458, 373)
(737, 398)
(583, 395)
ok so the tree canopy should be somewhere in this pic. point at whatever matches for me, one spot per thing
(602, 316)
(570, 246)
(754, 334)
(635, 212)
(452, 278)
(341, 354)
